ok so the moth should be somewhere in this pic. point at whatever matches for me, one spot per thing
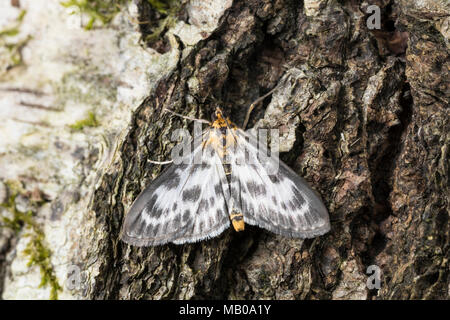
(223, 181)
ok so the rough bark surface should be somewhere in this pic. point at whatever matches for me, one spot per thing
(364, 118)
(371, 135)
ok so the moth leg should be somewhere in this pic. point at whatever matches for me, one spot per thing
(160, 162)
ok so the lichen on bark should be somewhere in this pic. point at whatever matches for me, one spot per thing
(349, 106)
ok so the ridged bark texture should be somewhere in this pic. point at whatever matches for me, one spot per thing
(367, 116)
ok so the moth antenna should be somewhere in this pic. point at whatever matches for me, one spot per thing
(253, 105)
(186, 117)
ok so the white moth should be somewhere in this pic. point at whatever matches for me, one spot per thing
(223, 179)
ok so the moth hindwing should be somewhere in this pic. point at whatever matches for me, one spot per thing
(224, 179)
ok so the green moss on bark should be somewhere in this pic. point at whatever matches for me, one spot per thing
(90, 121)
(98, 11)
(36, 250)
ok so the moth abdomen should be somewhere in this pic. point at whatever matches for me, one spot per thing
(237, 219)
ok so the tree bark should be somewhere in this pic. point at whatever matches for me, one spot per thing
(371, 135)
(363, 116)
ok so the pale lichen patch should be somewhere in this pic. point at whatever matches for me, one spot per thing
(353, 283)
(62, 115)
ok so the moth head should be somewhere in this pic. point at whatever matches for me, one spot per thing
(218, 113)
(221, 121)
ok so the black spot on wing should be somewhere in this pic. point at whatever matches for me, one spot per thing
(192, 194)
(263, 215)
(262, 210)
(166, 212)
(182, 167)
(262, 189)
(156, 213)
(316, 216)
(272, 214)
(256, 189)
(151, 203)
(176, 222)
(275, 178)
(248, 209)
(137, 226)
(212, 221)
(298, 195)
(186, 215)
(274, 200)
(200, 167)
(219, 214)
(164, 228)
(225, 219)
(172, 182)
(300, 219)
(308, 219)
(291, 222)
(155, 229)
(151, 230)
(282, 220)
(292, 205)
(218, 188)
(148, 230)
(298, 203)
(205, 166)
(203, 206)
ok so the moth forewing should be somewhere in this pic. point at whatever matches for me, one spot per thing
(280, 200)
(182, 204)
(267, 157)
